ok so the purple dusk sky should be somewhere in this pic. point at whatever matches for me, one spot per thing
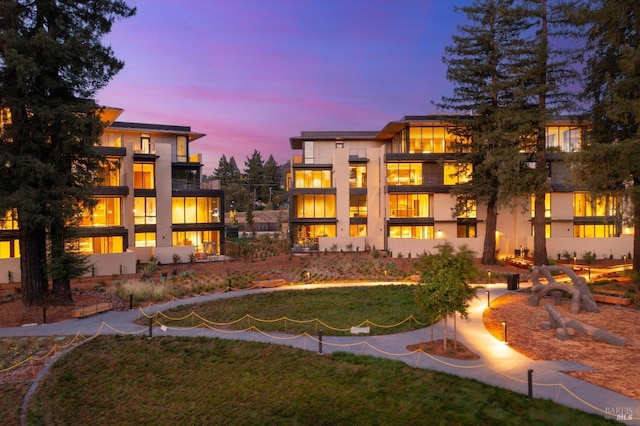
(252, 73)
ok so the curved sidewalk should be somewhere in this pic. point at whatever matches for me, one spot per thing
(499, 365)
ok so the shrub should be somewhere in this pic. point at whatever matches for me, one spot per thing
(375, 253)
(588, 257)
(176, 258)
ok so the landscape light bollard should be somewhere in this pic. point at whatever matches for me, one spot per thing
(530, 380)
(489, 277)
(44, 314)
(488, 299)
(130, 301)
(320, 342)
(504, 329)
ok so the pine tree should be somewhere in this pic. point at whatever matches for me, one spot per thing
(483, 64)
(253, 174)
(52, 62)
(610, 162)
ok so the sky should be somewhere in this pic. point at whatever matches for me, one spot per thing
(250, 74)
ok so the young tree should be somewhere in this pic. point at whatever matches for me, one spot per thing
(51, 61)
(443, 288)
(483, 63)
(610, 162)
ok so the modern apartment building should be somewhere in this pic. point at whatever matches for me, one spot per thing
(150, 203)
(390, 189)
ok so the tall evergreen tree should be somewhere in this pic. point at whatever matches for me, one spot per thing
(51, 60)
(271, 178)
(253, 174)
(484, 63)
(610, 162)
(547, 81)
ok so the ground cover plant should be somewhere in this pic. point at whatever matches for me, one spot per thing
(384, 309)
(173, 380)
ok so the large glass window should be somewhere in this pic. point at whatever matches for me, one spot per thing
(435, 139)
(358, 230)
(196, 239)
(315, 206)
(455, 173)
(10, 220)
(307, 235)
(409, 205)
(598, 230)
(404, 173)
(313, 178)
(466, 229)
(107, 212)
(145, 239)
(144, 176)
(144, 210)
(195, 210)
(182, 152)
(9, 249)
(411, 232)
(100, 245)
(358, 205)
(108, 173)
(144, 146)
(308, 152)
(586, 206)
(111, 140)
(547, 205)
(357, 176)
(563, 138)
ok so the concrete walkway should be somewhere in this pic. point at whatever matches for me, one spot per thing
(499, 365)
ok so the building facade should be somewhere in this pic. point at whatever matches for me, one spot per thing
(390, 189)
(151, 203)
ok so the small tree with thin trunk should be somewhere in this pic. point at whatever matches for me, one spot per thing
(443, 288)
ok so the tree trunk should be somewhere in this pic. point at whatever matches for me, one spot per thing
(489, 248)
(636, 240)
(61, 285)
(539, 221)
(455, 333)
(32, 261)
(444, 333)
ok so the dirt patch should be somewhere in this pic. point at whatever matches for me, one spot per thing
(614, 368)
(453, 350)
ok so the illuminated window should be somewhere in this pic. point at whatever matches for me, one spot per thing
(595, 231)
(315, 206)
(9, 249)
(357, 176)
(404, 173)
(145, 239)
(10, 220)
(456, 173)
(106, 213)
(563, 138)
(144, 210)
(182, 152)
(435, 139)
(411, 232)
(466, 229)
(547, 205)
(195, 210)
(409, 205)
(359, 230)
(144, 176)
(313, 178)
(111, 140)
(547, 230)
(585, 206)
(307, 235)
(144, 147)
(100, 245)
(195, 239)
(358, 205)
(469, 211)
(108, 174)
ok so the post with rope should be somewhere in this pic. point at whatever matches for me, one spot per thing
(319, 342)
(150, 327)
(130, 301)
(530, 380)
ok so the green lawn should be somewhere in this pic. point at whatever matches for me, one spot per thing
(176, 381)
(388, 309)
